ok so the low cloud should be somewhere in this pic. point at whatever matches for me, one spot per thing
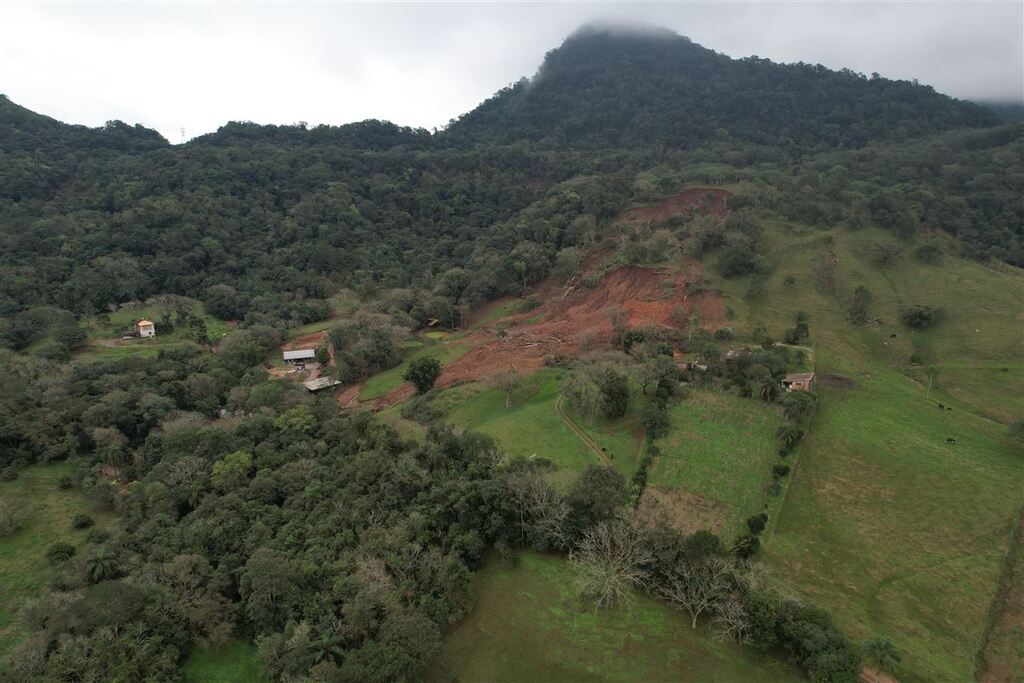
(197, 66)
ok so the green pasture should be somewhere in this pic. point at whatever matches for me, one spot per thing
(720, 447)
(24, 569)
(528, 624)
(886, 525)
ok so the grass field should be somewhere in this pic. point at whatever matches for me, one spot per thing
(884, 524)
(382, 383)
(531, 426)
(528, 624)
(720, 447)
(234, 662)
(24, 569)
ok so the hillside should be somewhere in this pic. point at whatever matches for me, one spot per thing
(607, 87)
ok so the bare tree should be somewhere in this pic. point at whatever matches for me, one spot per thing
(542, 510)
(731, 621)
(508, 381)
(699, 587)
(612, 559)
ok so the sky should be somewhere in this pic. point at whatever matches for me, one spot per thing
(195, 66)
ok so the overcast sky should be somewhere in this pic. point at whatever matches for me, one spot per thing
(197, 66)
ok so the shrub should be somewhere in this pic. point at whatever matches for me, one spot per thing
(98, 536)
(423, 372)
(9, 473)
(420, 409)
(65, 483)
(737, 261)
(747, 546)
(919, 317)
(60, 552)
(82, 521)
(780, 470)
(12, 516)
(757, 523)
(789, 280)
(857, 313)
(929, 252)
(724, 333)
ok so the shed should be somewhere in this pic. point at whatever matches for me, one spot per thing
(145, 328)
(299, 356)
(320, 383)
(798, 381)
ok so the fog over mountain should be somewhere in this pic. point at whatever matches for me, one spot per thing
(174, 67)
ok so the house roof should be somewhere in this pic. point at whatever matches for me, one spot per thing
(300, 354)
(144, 322)
(320, 383)
(798, 377)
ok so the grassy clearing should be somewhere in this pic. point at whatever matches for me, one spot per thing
(885, 526)
(233, 662)
(891, 529)
(383, 382)
(24, 570)
(342, 304)
(528, 624)
(531, 426)
(123, 319)
(720, 447)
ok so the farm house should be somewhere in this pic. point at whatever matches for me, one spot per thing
(798, 381)
(320, 383)
(299, 356)
(145, 328)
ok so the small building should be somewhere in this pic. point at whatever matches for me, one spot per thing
(300, 356)
(145, 328)
(320, 383)
(798, 381)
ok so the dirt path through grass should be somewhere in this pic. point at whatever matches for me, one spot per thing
(578, 431)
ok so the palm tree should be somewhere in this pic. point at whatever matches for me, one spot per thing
(881, 654)
(101, 565)
(767, 388)
(789, 435)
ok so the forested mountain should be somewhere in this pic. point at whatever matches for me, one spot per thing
(625, 88)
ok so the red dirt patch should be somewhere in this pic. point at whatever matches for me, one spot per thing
(574, 318)
(306, 341)
(647, 296)
(687, 201)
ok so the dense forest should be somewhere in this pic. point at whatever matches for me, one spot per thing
(247, 508)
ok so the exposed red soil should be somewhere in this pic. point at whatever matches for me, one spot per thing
(573, 318)
(570, 324)
(307, 341)
(700, 200)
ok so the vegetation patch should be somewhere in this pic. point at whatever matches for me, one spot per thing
(721, 448)
(529, 624)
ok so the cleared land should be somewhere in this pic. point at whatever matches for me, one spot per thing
(233, 662)
(48, 511)
(532, 426)
(887, 526)
(528, 624)
(719, 451)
